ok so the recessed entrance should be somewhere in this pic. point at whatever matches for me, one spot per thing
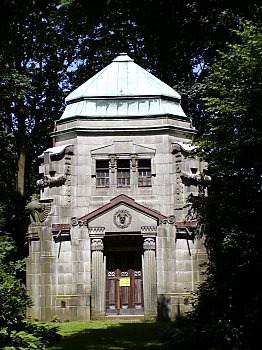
(124, 279)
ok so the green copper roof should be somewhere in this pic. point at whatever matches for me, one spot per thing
(123, 89)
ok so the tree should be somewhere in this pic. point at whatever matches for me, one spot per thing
(34, 59)
(50, 47)
(15, 331)
(175, 40)
(228, 312)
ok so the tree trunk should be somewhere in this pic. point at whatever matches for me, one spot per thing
(21, 149)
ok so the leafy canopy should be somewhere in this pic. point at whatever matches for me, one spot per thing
(227, 313)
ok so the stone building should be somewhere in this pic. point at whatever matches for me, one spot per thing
(113, 231)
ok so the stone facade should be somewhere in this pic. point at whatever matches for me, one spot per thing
(113, 230)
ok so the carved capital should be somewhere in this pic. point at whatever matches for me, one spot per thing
(97, 244)
(149, 244)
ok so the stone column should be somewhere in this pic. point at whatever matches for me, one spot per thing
(98, 279)
(149, 278)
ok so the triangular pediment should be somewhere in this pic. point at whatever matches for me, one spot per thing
(122, 214)
(123, 147)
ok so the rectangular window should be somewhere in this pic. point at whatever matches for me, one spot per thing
(123, 172)
(102, 173)
(144, 173)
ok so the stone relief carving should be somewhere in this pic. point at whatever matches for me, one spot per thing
(38, 211)
(74, 221)
(48, 170)
(149, 244)
(198, 177)
(67, 173)
(149, 229)
(171, 219)
(133, 162)
(122, 218)
(96, 230)
(112, 162)
(51, 181)
(179, 184)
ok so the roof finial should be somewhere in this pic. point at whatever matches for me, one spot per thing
(123, 57)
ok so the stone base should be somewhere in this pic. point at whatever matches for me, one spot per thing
(171, 305)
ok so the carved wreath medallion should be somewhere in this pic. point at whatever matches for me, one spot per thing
(122, 218)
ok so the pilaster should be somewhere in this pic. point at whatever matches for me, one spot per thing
(98, 274)
(149, 274)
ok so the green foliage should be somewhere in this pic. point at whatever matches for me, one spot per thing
(187, 333)
(13, 299)
(50, 47)
(48, 333)
(15, 332)
(32, 336)
(227, 311)
(22, 340)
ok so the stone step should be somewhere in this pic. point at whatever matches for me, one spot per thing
(124, 318)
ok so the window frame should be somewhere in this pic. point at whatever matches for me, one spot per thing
(123, 173)
(105, 174)
(144, 171)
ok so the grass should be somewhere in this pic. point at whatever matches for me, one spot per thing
(110, 335)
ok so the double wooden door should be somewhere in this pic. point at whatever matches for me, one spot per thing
(124, 284)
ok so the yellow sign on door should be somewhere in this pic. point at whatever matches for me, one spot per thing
(124, 282)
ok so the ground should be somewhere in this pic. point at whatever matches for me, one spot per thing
(110, 335)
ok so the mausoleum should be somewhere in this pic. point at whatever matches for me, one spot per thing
(113, 232)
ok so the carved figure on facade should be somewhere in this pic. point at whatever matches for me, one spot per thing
(133, 162)
(38, 211)
(122, 218)
(112, 162)
(195, 176)
(51, 181)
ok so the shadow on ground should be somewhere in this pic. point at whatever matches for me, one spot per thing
(122, 336)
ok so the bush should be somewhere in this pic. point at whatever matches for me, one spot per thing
(15, 332)
(187, 334)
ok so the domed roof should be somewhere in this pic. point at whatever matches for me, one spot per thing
(123, 89)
